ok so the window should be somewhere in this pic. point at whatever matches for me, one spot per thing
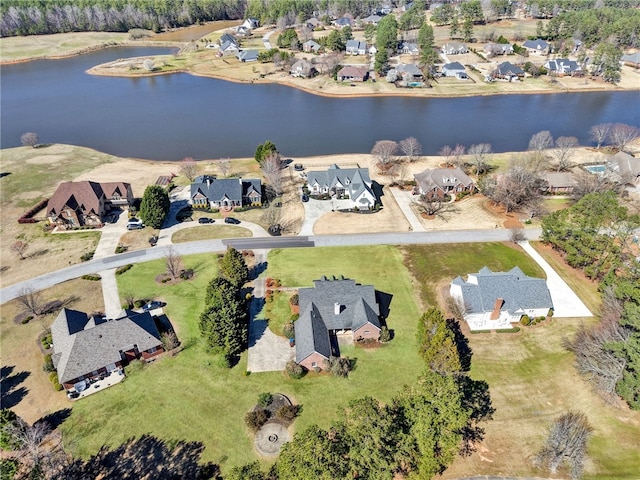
(314, 364)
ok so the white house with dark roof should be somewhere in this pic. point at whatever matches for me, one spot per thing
(562, 66)
(351, 184)
(210, 192)
(493, 300)
(454, 48)
(439, 182)
(356, 47)
(498, 49)
(454, 69)
(88, 348)
(247, 55)
(331, 308)
(539, 46)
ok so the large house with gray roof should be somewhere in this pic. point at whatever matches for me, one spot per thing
(210, 192)
(493, 300)
(351, 184)
(331, 308)
(87, 348)
(437, 183)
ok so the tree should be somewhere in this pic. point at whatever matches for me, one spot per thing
(369, 32)
(335, 42)
(381, 61)
(411, 19)
(272, 217)
(387, 33)
(437, 344)
(606, 62)
(30, 300)
(250, 471)
(173, 263)
(234, 268)
(467, 30)
(189, 168)
(454, 28)
(565, 149)
(620, 135)
(224, 165)
(384, 151)
(600, 133)
(433, 205)
(264, 150)
(428, 53)
(457, 153)
(169, 340)
(288, 39)
(518, 188)
(566, 443)
(541, 141)
(480, 153)
(446, 151)
(154, 206)
(271, 167)
(7, 440)
(29, 139)
(346, 33)
(29, 438)
(20, 248)
(411, 148)
(443, 14)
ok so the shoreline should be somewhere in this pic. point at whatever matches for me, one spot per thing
(98, 70)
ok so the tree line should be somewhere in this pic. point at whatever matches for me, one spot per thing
(34, 17)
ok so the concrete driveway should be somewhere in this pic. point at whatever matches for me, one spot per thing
(314, 209)
(404, 199)
(566, 304)
(110, 236)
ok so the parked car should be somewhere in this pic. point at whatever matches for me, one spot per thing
(134, 224)
(206, 220)
(298, 167)
(305, 198)
(232, 221)
(152, 305)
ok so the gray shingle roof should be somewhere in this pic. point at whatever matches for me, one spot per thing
(216, 189)
(357, 307)
(518, 291)
(354, 180)
(442, 178)
(507, 68)
(453, 66)
(538, 44)
(83, 344)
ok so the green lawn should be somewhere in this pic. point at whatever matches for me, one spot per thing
(208, 232)
(278, 312)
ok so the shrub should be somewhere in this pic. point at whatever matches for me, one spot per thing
(288, 330)
(509, 330)
(121, 248)
(93, 278)
(135, 366)
(338, 366)
(525, 320)
(550, 313)
(26, 320)
(287, 412)
(46, 340)
(9, 468)
(294, 370)
(165, 280)
(139, 303)
(186, 274)
(85, 257)
(122, 269)
(265, 399)
(256, 419)
(385, 335)
(53, 376)
(295, 299)
(48, 364)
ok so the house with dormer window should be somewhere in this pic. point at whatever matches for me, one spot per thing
(210, 192)
(437, 183)
(351, 184)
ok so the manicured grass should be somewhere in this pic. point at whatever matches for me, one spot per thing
(433, 266)
(190, 396)
(209, 232)
(278, 311)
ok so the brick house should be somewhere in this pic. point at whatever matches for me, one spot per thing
(440, 182)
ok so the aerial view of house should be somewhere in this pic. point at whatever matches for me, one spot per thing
(440, 182)
(211, 192)
(329, 309)
(352, 184)
(494, 300)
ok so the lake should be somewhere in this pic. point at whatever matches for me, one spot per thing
(174, 116)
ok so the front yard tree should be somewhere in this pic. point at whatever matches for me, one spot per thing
(20, 248)
(369, 32)
(620, 135)
(29, 139)
(386, 41)
(234, 268)
(173, 263)
(31, 301)
(566, 443)
(436, 343)
(428, 53)
(154, 206)
(518, 188)
(411, 148)
(480, 153)
(264, 150)
(189, 168)
(335, 42)
(540, 142)
(606, 61)
(384, 151)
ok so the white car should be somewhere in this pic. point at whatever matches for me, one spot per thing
(134, 224)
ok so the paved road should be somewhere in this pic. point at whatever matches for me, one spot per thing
(208, 246)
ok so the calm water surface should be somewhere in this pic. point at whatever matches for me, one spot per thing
(173, 116)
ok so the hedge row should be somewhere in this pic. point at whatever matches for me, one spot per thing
(27, 217)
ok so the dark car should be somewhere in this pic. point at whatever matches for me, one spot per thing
(298, 167)
(305, 198)
(232, 221)
(206, 220)
(152, 305)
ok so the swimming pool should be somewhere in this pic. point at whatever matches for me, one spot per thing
(596, 169)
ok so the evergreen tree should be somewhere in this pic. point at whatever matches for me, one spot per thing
(426, 42)
(154, 206)
(467, 30)
(264, 150)
(233, 268)
(387, 33)
(437, 343)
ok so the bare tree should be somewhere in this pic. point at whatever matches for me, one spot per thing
(20, 248)
(384, 151)
(456, 308)
(457, 153)
(30, 441)
(272, 170)
(446, 152)
(430, 205)
(224, 165)
(518, 188)
(588, 183)
(173, 263)
(480, 154)
(565, 149)
(411, 148)
(332, 60)
(541, 141)
(30, 301)
(566, 443)
(620, 135)
(599, 133)
(272, 216)
(189, 168)
(305, 34)
(29, 139)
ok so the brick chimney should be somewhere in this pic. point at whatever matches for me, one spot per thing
(336, 308)
(495, 314)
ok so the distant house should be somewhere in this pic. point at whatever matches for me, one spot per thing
(562, 66)
(356, 47)
(343, 22)
(625, 168)
(538, 46)
(371, 19)
(313, 23)
(631, 59)
(508, 71)
(409, 72)
(454, 48)
(242, 31)
(247, 55)
(303, 68)
(75, 204)
(89, 348)
(350, 184)
(409, 48)
(211, 192)
(454, 69)
(353, 74)
(439, 182)
(311, 46)
(229, 45)
(332, 308)
(498, 49)
(493, 300)
(559, 182)
(251, 23)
